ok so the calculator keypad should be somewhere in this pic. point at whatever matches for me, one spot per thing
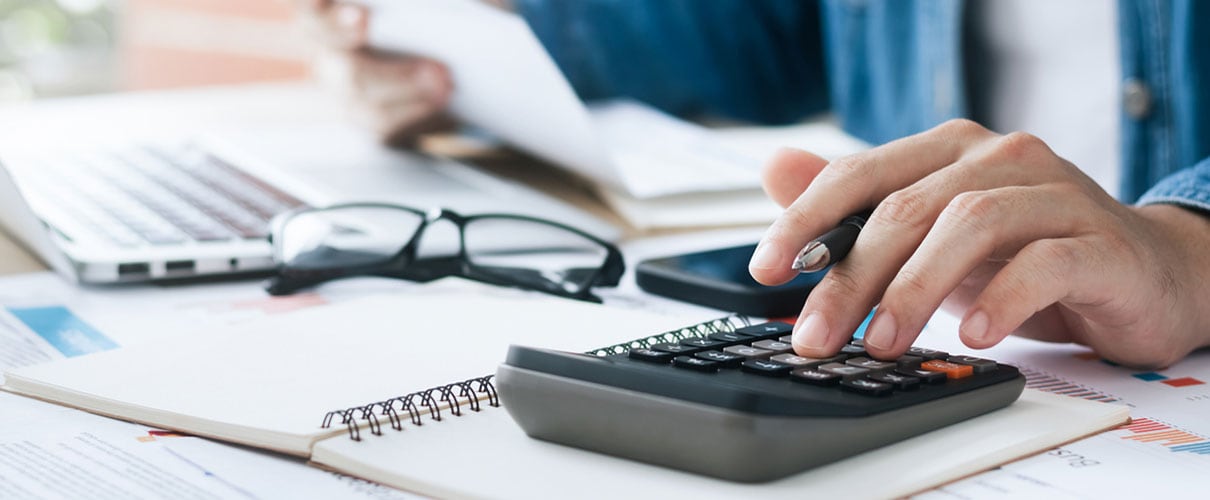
(765, 351)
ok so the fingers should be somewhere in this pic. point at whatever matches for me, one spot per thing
(1041, 274)
(403, 97)
(348, 25)
(852, 184)
(894, 232)
(343, 26)
(974, 227)
(383, 78)
(789, 173)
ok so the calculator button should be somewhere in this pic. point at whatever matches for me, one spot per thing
(728, 337)
(859, 342)
(814, 377)
(692, 363)
(800, 361)
(766, 330)
(766, 367)
(851, 350)
(901, 382)
(748, 351)
(701, 342)
(951, 370)
(928, 354)
(773, 345)
(912, 362)
(867, 387)
(871, 364)
(650, 355)
(727, 360)
(845, 371)
(925, 376)
(979, 365)
(675, 348)
(789, 339)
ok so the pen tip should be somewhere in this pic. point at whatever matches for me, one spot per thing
(812, 258)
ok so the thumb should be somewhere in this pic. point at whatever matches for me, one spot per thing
(789, 173)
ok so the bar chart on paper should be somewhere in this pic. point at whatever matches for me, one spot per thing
(1164, 452)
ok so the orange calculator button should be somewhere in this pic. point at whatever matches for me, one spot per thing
(951, 370)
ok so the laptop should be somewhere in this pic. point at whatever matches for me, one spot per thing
(172, 207)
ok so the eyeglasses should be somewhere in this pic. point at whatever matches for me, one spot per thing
(315, 245)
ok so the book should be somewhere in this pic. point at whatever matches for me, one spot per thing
(397, 389)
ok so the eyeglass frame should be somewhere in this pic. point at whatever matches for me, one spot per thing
(403, 264)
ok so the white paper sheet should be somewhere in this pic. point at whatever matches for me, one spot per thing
(506, 83)
(1164, 454)
(504, 80)
(51, 452)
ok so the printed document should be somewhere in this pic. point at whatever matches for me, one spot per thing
(1163, 453)
(507, 84)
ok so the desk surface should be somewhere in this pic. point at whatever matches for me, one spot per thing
(14, 259)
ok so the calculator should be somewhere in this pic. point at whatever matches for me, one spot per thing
(740, 405)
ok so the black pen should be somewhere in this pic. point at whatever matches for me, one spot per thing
(833, 246)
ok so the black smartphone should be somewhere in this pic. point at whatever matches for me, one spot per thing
(719, 279)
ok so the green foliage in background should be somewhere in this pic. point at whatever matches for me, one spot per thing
(48, 43)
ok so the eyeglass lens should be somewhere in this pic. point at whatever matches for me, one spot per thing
(532, 253)
(345, 237)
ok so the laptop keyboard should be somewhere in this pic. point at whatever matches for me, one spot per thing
(159, 195)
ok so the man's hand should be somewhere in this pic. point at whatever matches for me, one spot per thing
(402, 96)
(998, 229)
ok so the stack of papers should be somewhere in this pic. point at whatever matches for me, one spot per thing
(655, 170)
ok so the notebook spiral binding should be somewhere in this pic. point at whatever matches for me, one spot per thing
(474, 392)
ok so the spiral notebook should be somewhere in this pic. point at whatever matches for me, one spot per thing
(397, 389)
(275, 383)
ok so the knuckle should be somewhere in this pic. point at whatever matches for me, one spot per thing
(910, 283)
(845, 167)
(841, 284)
(792, 221)
(1020, 146)
(961, 127)
(1015, 289)
(907, 208)
(975, 211)
(1060, 254)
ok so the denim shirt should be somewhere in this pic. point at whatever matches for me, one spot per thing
(885, 68)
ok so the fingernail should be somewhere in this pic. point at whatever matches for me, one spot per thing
(975, 327)
(766, 256)
(811, 333)
(881, 333)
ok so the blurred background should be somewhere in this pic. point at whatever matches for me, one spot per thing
(68, 47)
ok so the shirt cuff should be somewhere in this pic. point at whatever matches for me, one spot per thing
(1188, 188)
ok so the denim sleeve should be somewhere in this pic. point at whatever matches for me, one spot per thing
(1189, 188)
(753, 60)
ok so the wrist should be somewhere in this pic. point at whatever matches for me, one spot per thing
(1182, 236)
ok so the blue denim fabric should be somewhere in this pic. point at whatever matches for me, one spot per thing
(1163, 47)
(1189, 187)
(886, 68)
(758, 61)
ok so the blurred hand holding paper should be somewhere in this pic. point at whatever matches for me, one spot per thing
(507, 84)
